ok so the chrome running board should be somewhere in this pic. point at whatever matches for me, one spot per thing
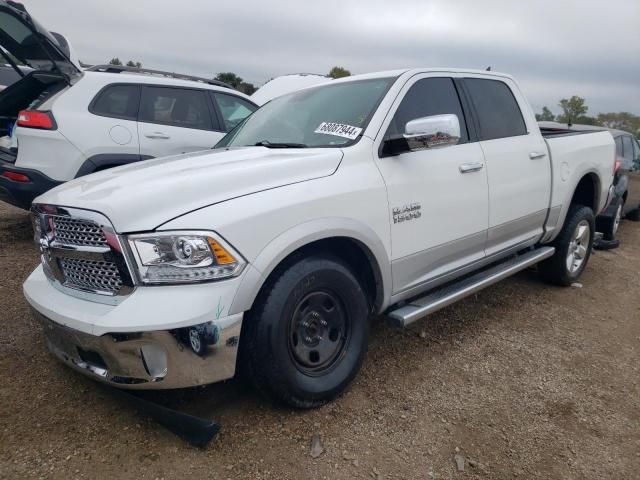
(451, 293)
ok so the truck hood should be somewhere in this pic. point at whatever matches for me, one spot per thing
(143, 196)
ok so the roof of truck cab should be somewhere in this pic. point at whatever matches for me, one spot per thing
(415, 71)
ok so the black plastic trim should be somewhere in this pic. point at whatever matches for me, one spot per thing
(467, 109)
(148, 71)
(8, 155)
(21, 194)
(108, 160)
(215, 112)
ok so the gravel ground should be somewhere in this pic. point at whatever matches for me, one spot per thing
(522, 380)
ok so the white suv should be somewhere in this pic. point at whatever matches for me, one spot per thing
(71, 122)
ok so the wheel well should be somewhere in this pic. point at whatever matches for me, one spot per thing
(587, 192)
(353, 253)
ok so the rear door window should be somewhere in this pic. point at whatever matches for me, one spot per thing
(233, 109)
(178, 107)
(497, 110)
(117, 101)
(427, 97)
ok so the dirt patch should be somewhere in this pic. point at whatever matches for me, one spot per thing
(522, 380)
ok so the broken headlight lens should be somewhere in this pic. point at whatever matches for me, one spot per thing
(184, 257)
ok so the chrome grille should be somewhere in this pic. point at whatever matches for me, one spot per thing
(74, 231)
(91, 275)
(76, 256)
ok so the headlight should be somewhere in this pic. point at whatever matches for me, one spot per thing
(184, 257)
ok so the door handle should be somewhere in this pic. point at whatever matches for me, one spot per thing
(157, 135)
(470, 167)
(535, 155)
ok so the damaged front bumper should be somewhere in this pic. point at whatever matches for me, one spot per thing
(161, 359)
(149, 360)
(155, 338)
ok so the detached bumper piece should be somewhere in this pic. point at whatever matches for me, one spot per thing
(179, 358)
(599, 243)
(603, 244)
(195, 430)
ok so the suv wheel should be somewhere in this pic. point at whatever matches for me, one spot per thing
(305, 340)
(573, 248)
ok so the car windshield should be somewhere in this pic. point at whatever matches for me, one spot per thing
(331, 115)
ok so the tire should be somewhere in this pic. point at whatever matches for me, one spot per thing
(608, 225)
(634, 215)
(305, 339)
(556, 269)
(197, 342)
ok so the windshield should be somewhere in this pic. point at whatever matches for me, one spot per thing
(331, 115)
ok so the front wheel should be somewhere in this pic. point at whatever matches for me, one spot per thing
(307, 336)
(573, 248)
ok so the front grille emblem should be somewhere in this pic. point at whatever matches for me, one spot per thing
(43, 241)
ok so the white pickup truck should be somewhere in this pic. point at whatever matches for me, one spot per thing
(391, 193)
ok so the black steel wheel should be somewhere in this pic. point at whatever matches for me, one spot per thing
(319, 331)
(305, 339)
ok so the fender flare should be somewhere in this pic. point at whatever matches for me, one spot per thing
(569, 196)
(303, 234)
(101, 160)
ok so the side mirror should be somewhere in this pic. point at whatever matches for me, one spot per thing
(431, 132)
(425, 132)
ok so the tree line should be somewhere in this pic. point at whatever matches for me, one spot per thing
(574, 111)
(130, 63)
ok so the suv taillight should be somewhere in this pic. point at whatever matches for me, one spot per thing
(616, 165)
(36, 119)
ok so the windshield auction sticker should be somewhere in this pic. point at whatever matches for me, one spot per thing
(339, 130)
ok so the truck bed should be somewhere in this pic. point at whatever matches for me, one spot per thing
(571, 157)
(565, 132)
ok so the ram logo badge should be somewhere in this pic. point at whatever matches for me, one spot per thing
(407, 212)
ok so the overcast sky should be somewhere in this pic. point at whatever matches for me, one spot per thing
(555, 48)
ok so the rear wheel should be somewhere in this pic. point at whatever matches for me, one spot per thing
(573, 248)
(608, 225)
(306, 338)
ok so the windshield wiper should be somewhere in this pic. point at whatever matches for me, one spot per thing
(268, 144)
